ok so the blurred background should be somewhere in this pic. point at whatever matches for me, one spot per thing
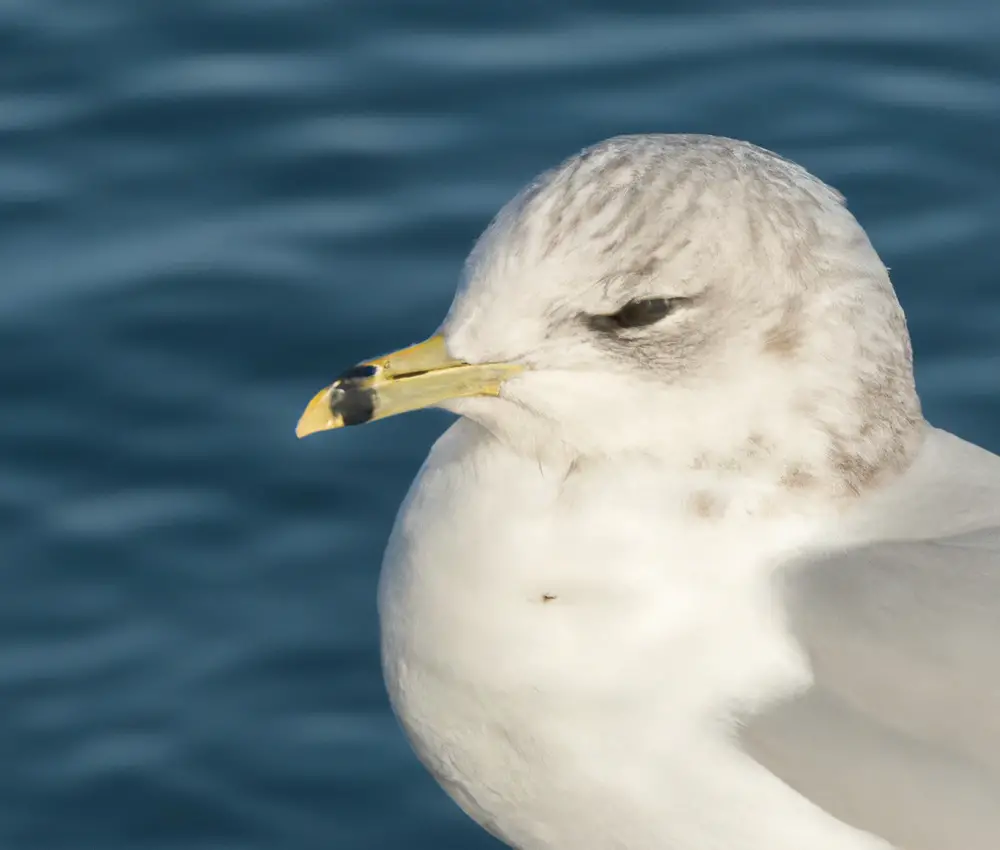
(209, 207)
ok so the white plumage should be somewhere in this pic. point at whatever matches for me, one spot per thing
(629, 603)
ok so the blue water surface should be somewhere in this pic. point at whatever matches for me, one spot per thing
(209, 207)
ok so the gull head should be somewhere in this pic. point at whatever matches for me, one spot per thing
(693, 299)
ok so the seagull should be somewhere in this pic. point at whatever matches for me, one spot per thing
(690, 571)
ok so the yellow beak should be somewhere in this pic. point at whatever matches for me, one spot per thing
(422, 375)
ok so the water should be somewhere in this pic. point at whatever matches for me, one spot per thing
(210, 206)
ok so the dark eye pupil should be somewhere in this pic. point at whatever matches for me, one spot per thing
(646, 311)
(635, 314)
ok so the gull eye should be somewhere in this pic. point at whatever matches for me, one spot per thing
(637, 314)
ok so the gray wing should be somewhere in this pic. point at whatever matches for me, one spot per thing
(900, 733)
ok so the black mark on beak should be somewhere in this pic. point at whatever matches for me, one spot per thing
(357, 373)
(354, 405)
